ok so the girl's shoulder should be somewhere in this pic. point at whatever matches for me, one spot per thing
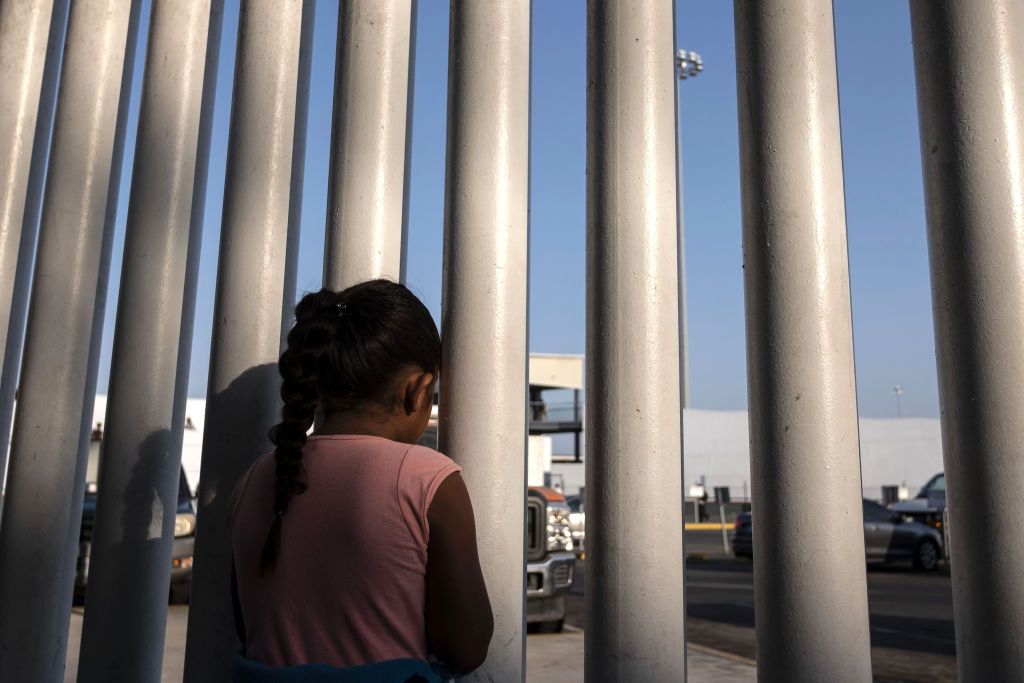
(423, 460)
(421, 474)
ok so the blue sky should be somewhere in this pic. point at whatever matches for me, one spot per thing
(885, 209)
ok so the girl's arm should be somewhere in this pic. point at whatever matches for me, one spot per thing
(459, 619)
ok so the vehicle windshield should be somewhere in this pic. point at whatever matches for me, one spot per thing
(937, 484)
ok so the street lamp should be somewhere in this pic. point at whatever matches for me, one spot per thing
(688, 65)
(898, 390)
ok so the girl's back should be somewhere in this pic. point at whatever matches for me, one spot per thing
(356, 546)
(341, 594)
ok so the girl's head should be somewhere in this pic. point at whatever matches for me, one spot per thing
(371, 350)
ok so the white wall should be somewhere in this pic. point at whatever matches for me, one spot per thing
(716, 445)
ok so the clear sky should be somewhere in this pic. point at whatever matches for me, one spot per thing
(885, 209)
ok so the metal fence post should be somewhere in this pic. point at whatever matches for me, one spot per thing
(31, 45)
(369, 152)
(255, 292)
(123, 631)
(483, 417)
(635, 606)
(969, 64)
(43, 509)
(809, 580)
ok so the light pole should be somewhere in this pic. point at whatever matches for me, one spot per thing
(898, 390)
(688, 65)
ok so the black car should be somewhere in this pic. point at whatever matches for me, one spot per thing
(184, 543)
(888, 537)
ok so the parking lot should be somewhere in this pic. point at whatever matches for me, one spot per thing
(911, 612)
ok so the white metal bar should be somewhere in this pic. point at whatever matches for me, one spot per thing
(484, 309)
(809, 583)
(372, 94)
(969, 62)
(635, 606)
(31, 45)
(255, 287)
(133, 532)
(45, 485)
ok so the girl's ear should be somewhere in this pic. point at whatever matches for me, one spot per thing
(425, 391)
(417, 391)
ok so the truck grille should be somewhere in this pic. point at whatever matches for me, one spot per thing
(535, 540)
(562, 575)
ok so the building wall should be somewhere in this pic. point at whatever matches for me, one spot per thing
(893, 452)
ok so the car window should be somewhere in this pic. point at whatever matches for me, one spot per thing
(873, 512)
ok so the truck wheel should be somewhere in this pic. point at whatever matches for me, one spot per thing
(551, 626)
(926, 557)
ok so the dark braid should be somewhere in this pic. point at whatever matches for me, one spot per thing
(346, 349)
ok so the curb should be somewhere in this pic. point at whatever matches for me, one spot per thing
(706, 526)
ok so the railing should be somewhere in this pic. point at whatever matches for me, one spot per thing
(568, 413)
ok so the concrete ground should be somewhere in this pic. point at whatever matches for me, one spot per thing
(559, 659)
(549, 658)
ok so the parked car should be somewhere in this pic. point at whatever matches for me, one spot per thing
(888, 537)
(928, 505)
(184, 538)
(550, 559)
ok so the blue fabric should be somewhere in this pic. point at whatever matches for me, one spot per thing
(392, 671)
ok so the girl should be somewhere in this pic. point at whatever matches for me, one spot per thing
(355, 546)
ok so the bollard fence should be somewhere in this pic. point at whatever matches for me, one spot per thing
(969, 64)
(483, 417)
(368, 199)
(812, 606)
(45, 483)
(812, 611)
(133, 533)
(31, 37)
(255, 294)
(635, 627)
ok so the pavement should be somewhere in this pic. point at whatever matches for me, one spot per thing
(558, 658)
(550, 658)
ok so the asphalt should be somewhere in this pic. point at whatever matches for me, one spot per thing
(911, 613)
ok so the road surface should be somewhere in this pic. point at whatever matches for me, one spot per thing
(911, 613)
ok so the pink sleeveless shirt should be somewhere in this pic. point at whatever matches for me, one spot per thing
(350, 581)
